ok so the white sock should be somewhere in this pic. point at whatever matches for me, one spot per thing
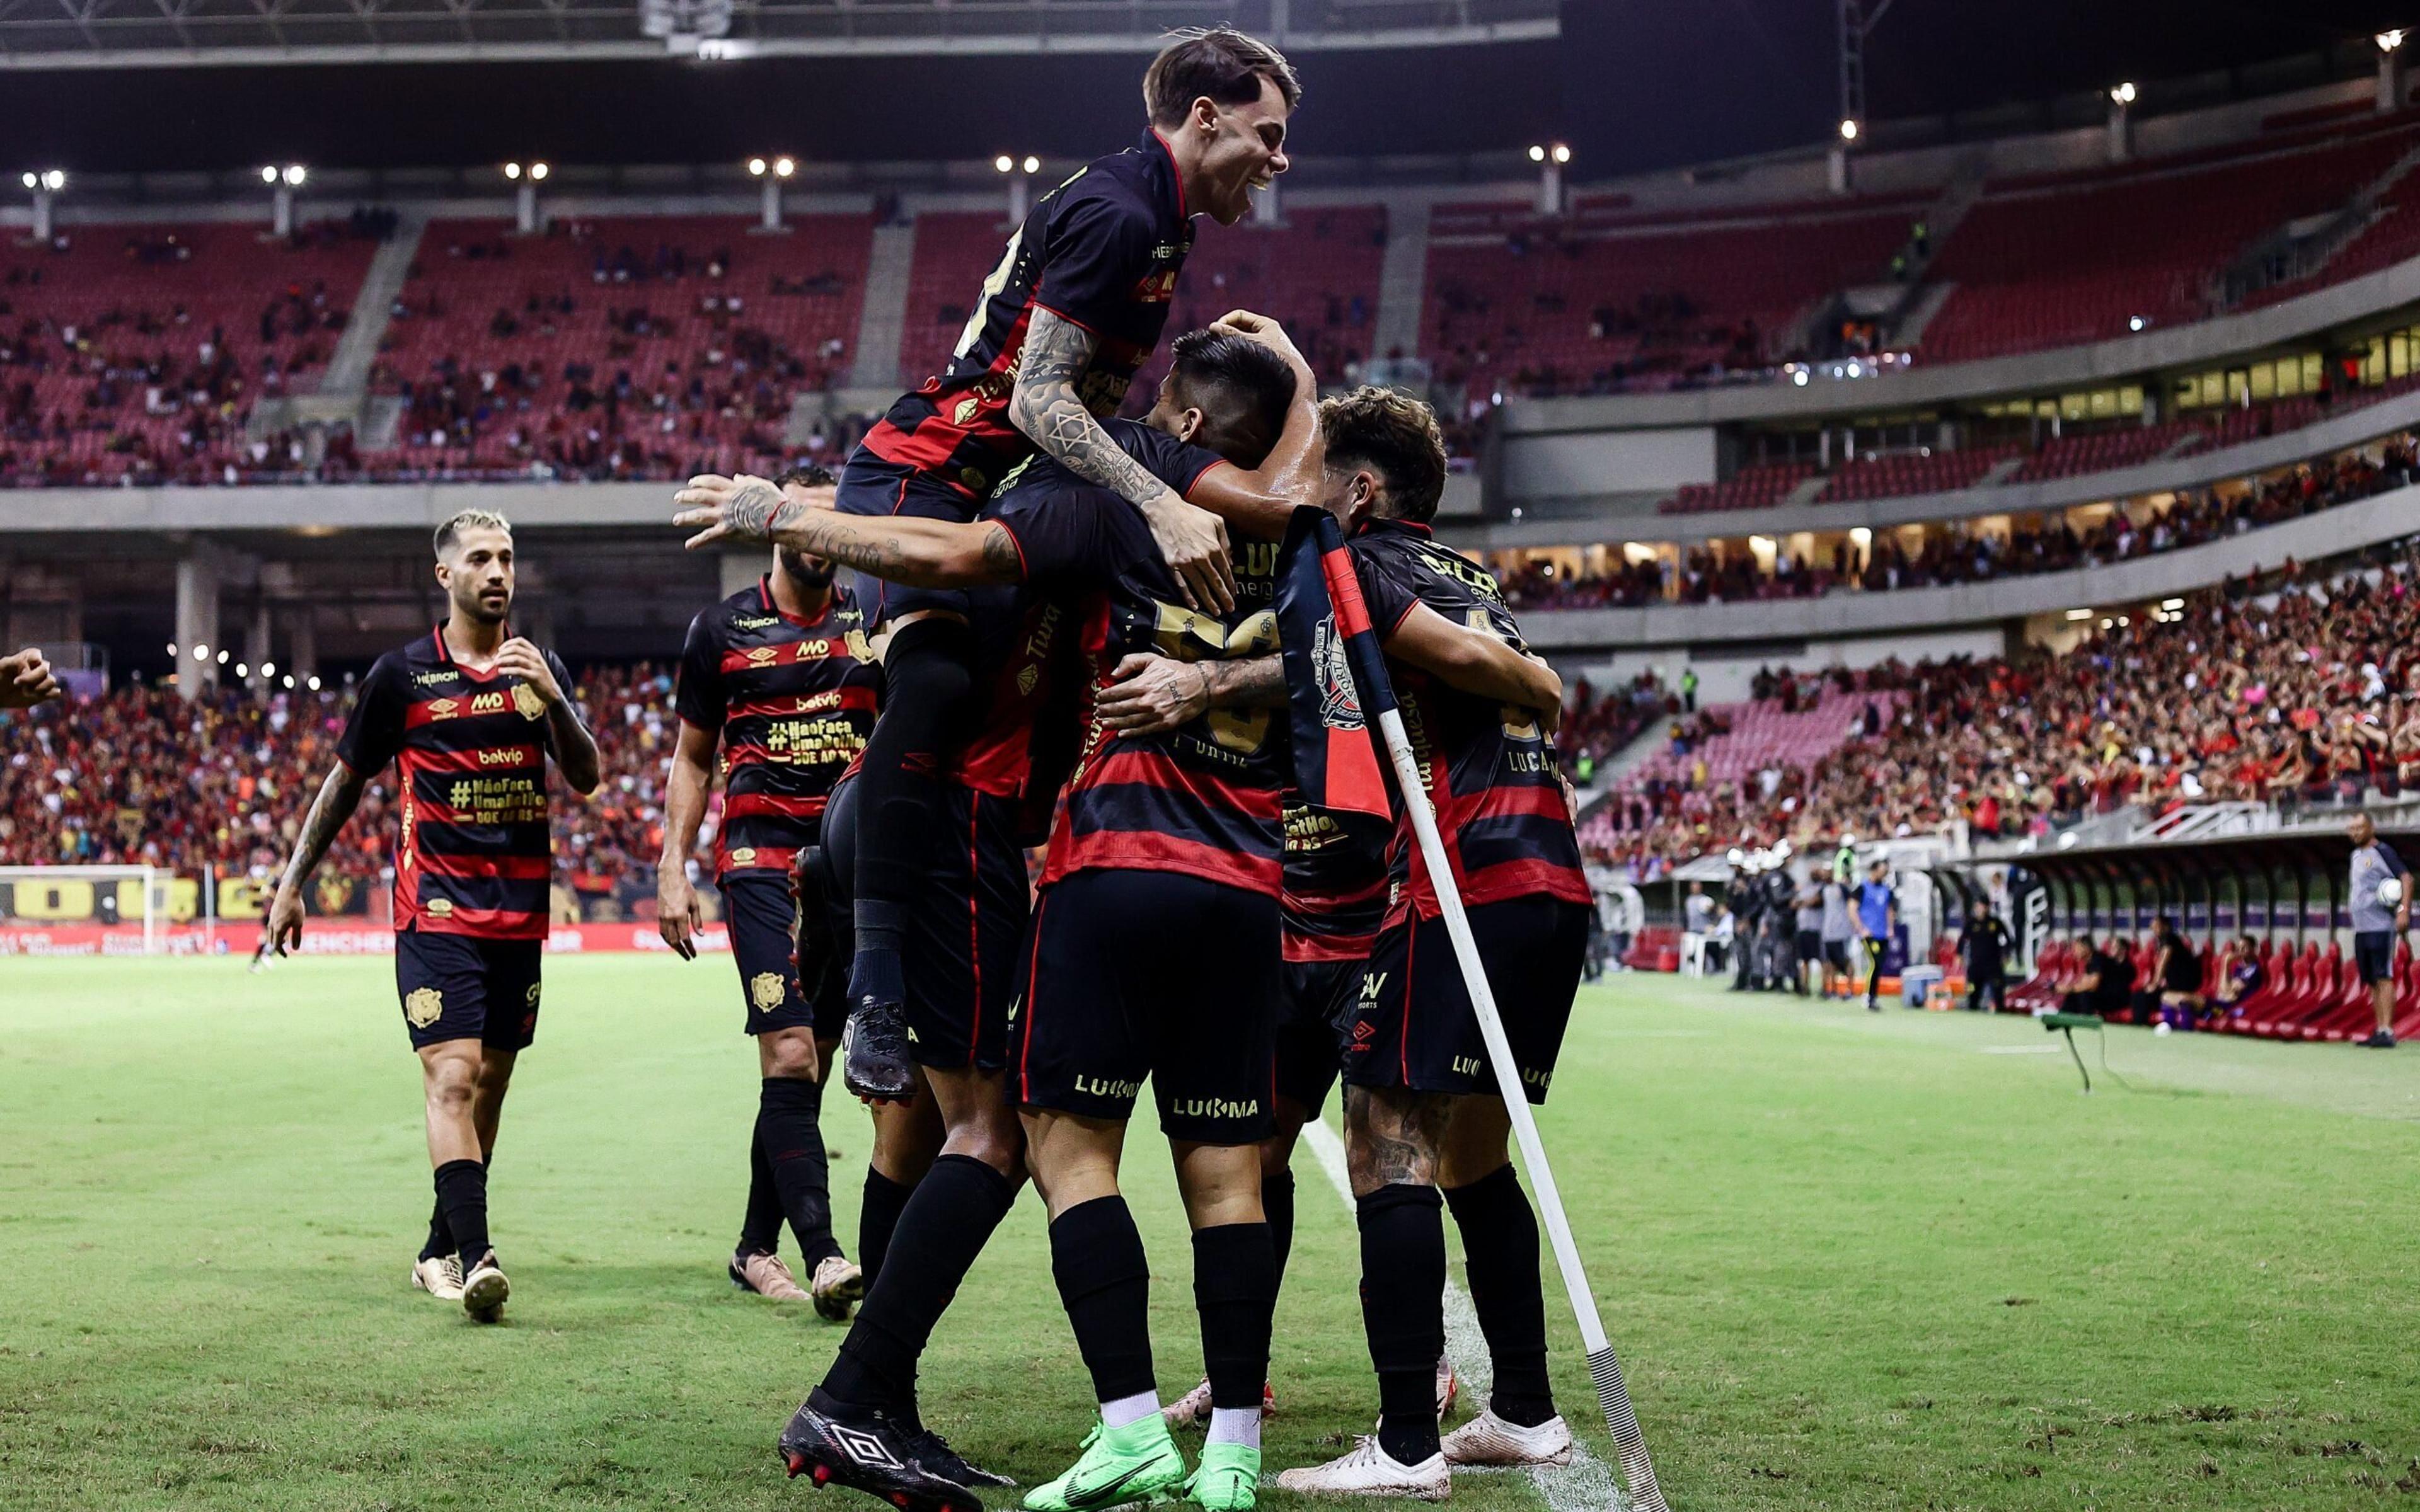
(1125, 1409)
(1235, 1425)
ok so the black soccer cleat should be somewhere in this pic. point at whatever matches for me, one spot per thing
(874, 1064)
(935, 1454)
(871, 1454)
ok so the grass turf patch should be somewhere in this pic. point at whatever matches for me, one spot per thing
(1850, 1260)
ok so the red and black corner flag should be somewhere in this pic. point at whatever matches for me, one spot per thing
(1336, 680)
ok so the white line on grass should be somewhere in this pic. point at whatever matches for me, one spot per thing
(1585, 1484)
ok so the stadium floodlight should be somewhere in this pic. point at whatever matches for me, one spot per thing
(223, 658)
(756, 167)
(1537, 153)
(289, 682)
(54, 180)
(1559, 153)
(29, 180)
(172, 650)
(784, 167)
(295, 174)
(242, 671)
(1849, 130)
(538, 172)
(2124, 92)
(2389, 40)
(313, 682)
(2135, 322)
(268, 668)
(512, 171)
(1004, 163)
(269, 176)
(1032, 163)
(201, 652)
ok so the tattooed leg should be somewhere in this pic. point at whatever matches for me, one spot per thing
(1391, 1136)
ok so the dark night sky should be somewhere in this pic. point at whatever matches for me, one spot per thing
(1632, 83)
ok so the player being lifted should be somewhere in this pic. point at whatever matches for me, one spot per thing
(781, 677)
(1421, 1111)
(469, 714)
(1076, 303)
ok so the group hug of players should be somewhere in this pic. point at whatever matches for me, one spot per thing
(1080, 650)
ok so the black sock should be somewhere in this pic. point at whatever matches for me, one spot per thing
(789, 1131)
(1096, 1258)
(1236, 1290)
(441, 1238)
(1402, 1309)
(947, 1220)
(1500, 1242)
(926, 689)
(1276, 1202)
(760, 1228)
(885, 1199)
(462, 1197)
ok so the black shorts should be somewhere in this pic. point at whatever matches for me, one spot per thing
(1836, 954)
(1810, 945)
(870, 486)
(1306, 1046)
(1413, 1026)
(455, 987)
(2373, 956)
(761, 911)
(1112, 994)
(964, 932)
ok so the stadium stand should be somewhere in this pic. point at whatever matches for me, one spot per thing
(135, 354)
(636, 347)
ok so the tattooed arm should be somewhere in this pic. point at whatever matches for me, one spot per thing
(338, 797)
(1150, 695)
(900, 548)
(1046, 407)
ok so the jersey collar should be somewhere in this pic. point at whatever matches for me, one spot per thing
(445, 653)
(1374, 525)
(1155, 148)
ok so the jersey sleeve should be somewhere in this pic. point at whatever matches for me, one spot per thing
(374, 732)
(1068, 537)
(1390, 601)
(697, 696)
(2394, 862)
(1100, 249)
(1178, 464)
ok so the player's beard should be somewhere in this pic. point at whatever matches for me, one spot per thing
(813, 574)
(472, 607)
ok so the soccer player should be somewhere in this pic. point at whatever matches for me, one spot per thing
(781, 677)
(1243, 391)
(25, 680)
(1076, 304)
(469, 714)
(1422, 1107)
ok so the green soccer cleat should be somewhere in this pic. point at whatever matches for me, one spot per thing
(1139, 1463)
(1228, 1478)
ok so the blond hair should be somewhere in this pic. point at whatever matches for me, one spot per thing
(468, 519)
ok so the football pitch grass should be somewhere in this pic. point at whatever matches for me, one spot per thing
(1851, 1261)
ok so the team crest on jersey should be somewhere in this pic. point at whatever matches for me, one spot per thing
(1340, 702)
(442, 708)
(423, 1007)
(525, 699)
(973, 481)
(439, 907)
(766, 990)
(744, 855)
(858, 646)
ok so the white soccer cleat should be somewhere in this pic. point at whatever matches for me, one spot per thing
(484, 1289)
(1445, 1386)
(1370, 1471)
(837, 1284)
(1192, 1410)
(1488, 1439)
(439, 1275)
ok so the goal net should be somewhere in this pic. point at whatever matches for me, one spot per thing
(86, 910)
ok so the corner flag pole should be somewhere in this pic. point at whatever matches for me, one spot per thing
(1630, 1446)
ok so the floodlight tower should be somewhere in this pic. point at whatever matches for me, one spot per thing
(1858, 19)
(771, 175)
(2390, 70)
(281, 184)
(2122, 133)
(525, 181)
(1551, 159)
(45, 186)
(1020, 173)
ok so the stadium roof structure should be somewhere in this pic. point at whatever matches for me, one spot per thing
(84, 33)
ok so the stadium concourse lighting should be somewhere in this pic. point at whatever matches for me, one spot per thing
(2135, 322)
(1849, 130)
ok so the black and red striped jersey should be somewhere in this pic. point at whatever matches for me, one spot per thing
(1338, 882)
(792, 701)
(1490, 769)
(472, 855)
(1201, 799)
(1102, 249)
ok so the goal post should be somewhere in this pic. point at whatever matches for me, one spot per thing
(56, 897)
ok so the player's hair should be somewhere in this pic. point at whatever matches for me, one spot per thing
(468, 519)
(806, 474)
(1216, 61)
(1394, 436)
(1242, 388)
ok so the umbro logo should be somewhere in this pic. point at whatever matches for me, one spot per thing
(863, 1447)
(1362, 1030)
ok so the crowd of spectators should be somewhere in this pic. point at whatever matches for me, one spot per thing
(1956, 552)
(2297, 689)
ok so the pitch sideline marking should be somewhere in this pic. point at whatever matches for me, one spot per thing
(1585, 1484)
